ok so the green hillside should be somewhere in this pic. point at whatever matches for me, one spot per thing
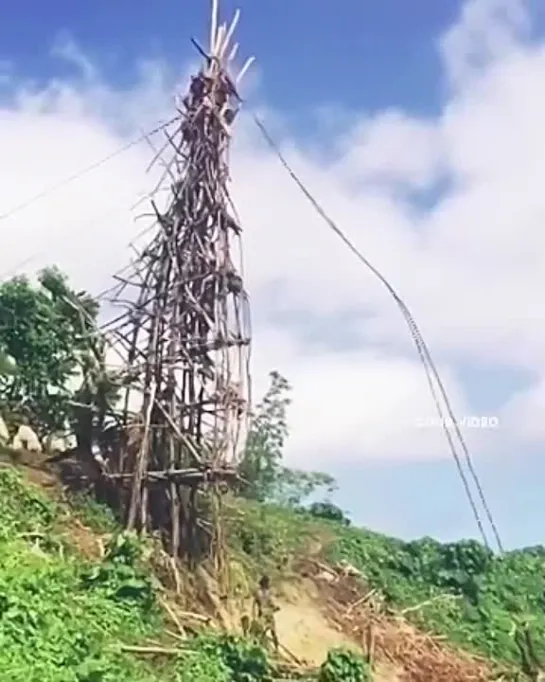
(70, 616)
(460, 590)
(65, 618)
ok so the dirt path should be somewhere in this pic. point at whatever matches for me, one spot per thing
(303, 629)
(307, 634)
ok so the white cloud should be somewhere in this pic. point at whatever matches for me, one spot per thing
(397, 149)
(525, 412)
(487, 31)
(472, 267)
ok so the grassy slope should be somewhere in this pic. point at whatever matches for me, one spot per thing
(65, 619)
(56, 623)
(471, 597)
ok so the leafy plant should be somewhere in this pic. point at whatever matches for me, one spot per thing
(344, 665)
(459, 590)
(45, 335)
(244, 660)
(268, 535)
(264, 450)
(96, 515)
(23, 509)
(328, 511)
(203, 664)
(52, 626)
(266, 479)
(119, 575)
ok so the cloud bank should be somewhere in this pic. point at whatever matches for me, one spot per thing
(449, 208)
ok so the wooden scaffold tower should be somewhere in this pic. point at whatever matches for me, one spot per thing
(186, 330)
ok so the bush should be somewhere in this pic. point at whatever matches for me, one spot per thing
(328, 511)
(344, 665)
(226, 658)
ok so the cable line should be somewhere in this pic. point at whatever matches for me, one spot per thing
(84, 171)
(422, 349)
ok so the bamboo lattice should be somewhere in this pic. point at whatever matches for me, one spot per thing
(186, 323)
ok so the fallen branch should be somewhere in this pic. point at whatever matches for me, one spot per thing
(189, 615)
(416, 607)
(292, 672)
(290, 654)
(361, 601)
(175, 635)
(151, 650)
(324, 567)
(173, 617)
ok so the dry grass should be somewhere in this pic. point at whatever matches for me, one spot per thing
(388, 640)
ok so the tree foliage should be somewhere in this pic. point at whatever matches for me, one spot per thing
(266, 477)
(329, 511)
(262, 459)
(47, 329)
(460, 590)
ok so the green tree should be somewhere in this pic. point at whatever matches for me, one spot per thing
(292, 486)
(264, 449)
(46, 328)
(265, 477)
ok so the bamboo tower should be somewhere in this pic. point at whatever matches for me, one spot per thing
(186, 326)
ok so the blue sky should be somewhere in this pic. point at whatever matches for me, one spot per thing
(365, 55)
(393, 111)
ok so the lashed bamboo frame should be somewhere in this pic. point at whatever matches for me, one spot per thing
(187, 329)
